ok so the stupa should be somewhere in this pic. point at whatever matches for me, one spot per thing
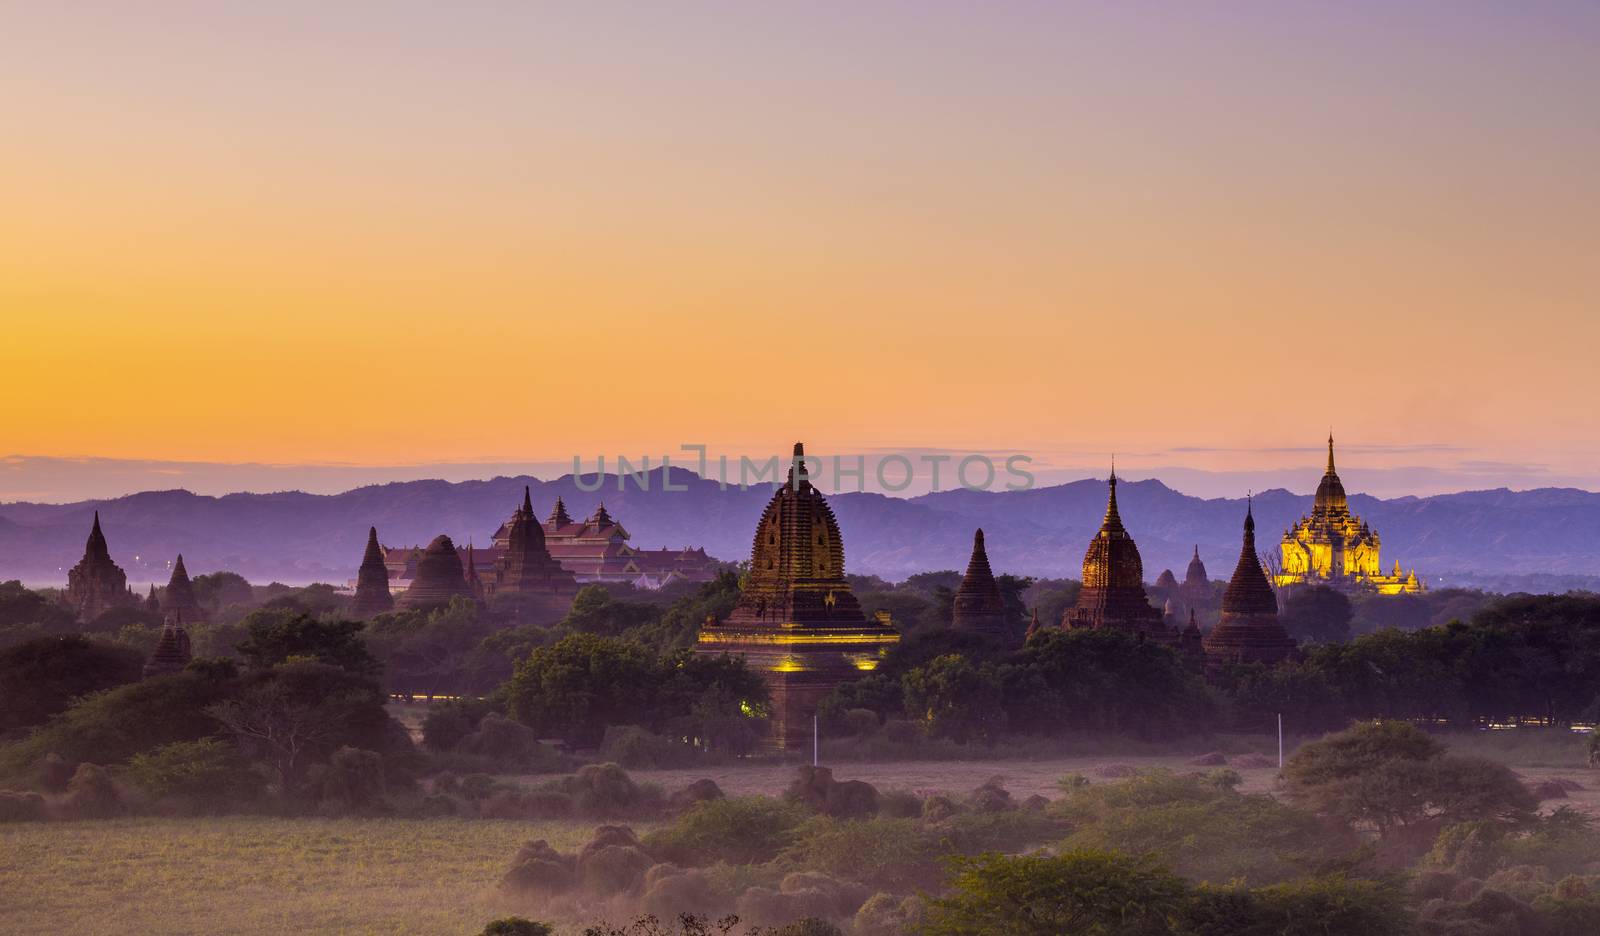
(978, 604)
(172, 652)
(1196, 587)
(439, 576)
(1113, 594)
(525, 573)
(1249, 631)
(180, 599)
(797, 622)
(372, 582)
(96, 584)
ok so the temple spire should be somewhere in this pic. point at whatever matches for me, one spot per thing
(96, 546)
(1113, 520)
(1330, 453)
(799, 478)
(527, 503)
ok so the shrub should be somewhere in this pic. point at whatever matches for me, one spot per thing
(888, 854)
(509, 746)
(450, 720)
(601, 791)
(517, 926)
(91, 794)
(632, 746)
(539, 869)
(207, 773)
(1044, 895)
(112, 726)
(21, 807)
(351, 781)
(738, 830)
(815, 788)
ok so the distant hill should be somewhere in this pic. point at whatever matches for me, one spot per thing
(294, 537)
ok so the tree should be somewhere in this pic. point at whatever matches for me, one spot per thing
(1318, 614)
(1076, 892)
(43, 676)
(22, 609)
(277, 635)
(1391, 779)
(954, 699)
(298, 713)
(576, 687)
(1104, 681)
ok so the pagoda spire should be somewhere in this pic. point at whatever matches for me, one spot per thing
(372, 581)
(96, 547)
(527, 504)
(1330, 453)
(1113, 520)
(559, 516)
(797, 469)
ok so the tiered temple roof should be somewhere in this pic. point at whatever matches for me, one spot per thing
(978, 604)
(96, 584)
(1333, 546)
(1249, 631)
(440, 576)
(172, 652)
(372, 582)
(525, 571)
(797, 621)
(180, 599)
(1113, 594)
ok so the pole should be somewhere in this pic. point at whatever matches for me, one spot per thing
(816, 746)
(1280, 740)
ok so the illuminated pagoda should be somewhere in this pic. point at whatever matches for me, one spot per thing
(525, 572)
(96, 584)
(797, 622)
(180, 599)
(1249, 630)
(1334, 547)
(1113, 594)
(372, 582)
(172, 652)
(978, 605)
(440, 576)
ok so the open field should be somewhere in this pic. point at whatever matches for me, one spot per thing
(437, 876)
(261, 875)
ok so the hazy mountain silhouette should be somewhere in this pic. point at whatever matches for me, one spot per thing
(296, 537)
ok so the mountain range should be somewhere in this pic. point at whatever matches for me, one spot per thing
(1495, 538)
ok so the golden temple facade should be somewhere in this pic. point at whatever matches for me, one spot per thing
(1332, 546)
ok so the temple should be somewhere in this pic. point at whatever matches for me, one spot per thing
(179, 597)
(1334, 547)
(372, 582)
(592, 550)
(1113, 594)
(172, 652)
(440, 576)
(96, 584)
(978, 604)
(525, 573)
(797, 622)
(1249, 630)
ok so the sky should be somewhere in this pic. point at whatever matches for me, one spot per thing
(355, 240)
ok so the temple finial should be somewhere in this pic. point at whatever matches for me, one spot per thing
(527, 501)
(1330, 451)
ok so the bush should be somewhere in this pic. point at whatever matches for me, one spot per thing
(887, 854)
(601, 791)
(1046, 895)
(208, 773)
(737, 830)
(91, 794)
(539, 869)
(21, 807)
(112, 726)
(510, 747)
(450, 720)
(634, 747)
(351, 781)
(815, 788)
(517, 926)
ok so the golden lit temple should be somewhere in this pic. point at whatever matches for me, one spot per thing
(1333, 546)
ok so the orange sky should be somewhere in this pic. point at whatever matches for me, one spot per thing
(291, 236)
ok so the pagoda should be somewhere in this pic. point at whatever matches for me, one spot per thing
(172, 652)
(1196, 587)
(797, 622)
(96, 584)
(372, 582)
(440, 576)
(1249, 631)
(1113, 594)
(1332, 546)
(525, 573)
(180, 599)
(978, 604)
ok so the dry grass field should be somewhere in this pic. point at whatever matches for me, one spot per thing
(437, 876)
(261, 875)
